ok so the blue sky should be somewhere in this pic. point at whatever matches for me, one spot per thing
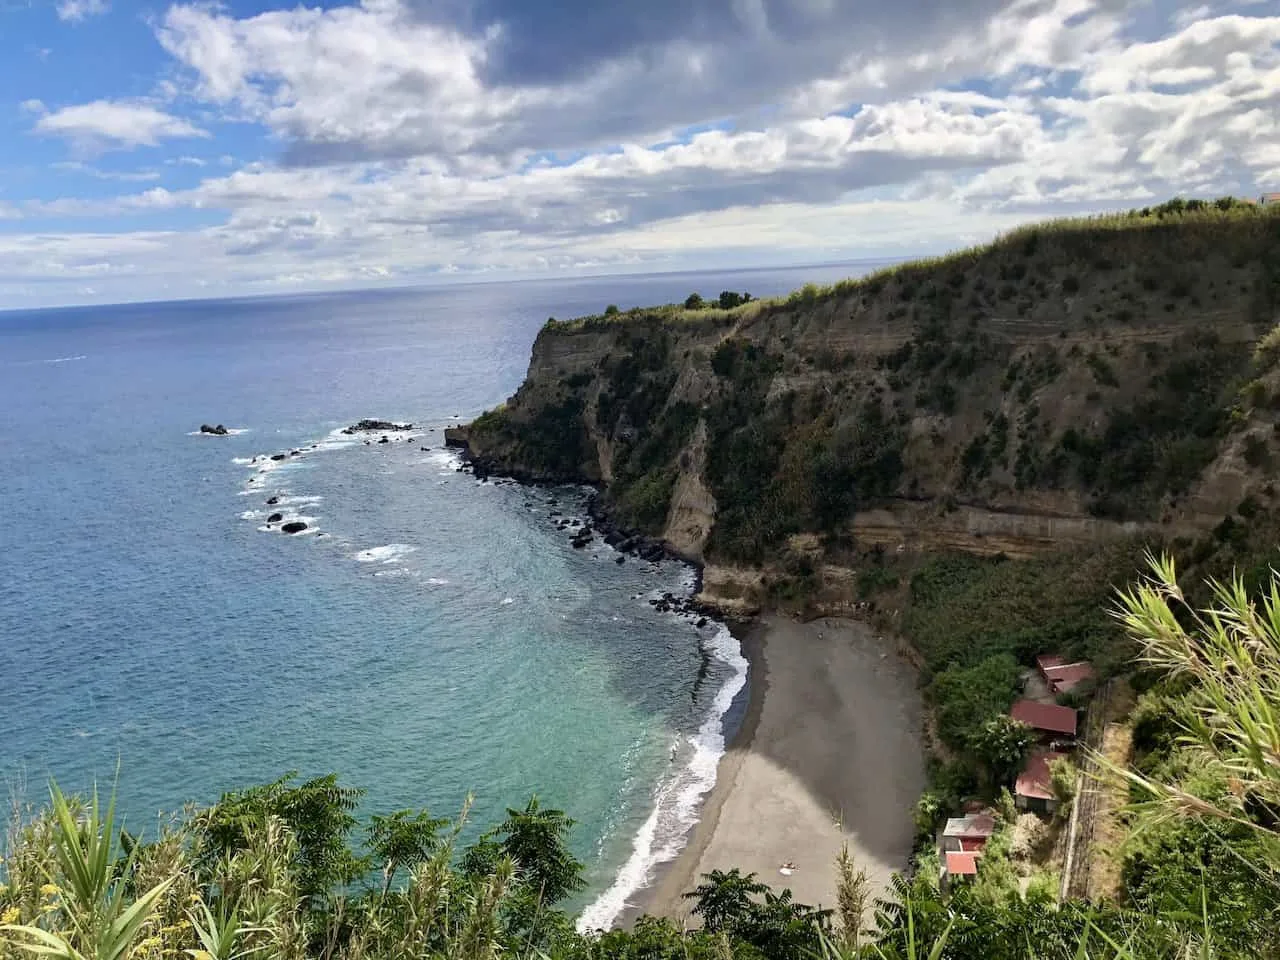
(160, 150)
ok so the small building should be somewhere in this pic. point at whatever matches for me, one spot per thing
(1034, 787)
(1063, 677)
(1269, 198)
(968, 834)
(962, 864)
(1048, 719)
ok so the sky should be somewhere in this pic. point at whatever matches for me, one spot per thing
(163, 151)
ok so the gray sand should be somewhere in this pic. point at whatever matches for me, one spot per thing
(829, 753)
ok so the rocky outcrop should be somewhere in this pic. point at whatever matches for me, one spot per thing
(293, 526)
(217, 430)
(376, 426)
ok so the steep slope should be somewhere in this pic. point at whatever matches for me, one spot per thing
(1068, 384)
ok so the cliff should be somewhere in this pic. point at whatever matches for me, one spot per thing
(1072, 383)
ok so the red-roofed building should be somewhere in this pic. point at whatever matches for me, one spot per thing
(975, 828)
(962, 864)
(1060, 676)
(1048, 718)
(1034, 788)
(1047, 661)
(974, 845)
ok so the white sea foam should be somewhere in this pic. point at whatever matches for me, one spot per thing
(68, 359)
(507, 601)
(445, 459)
(391, 553)
(289, 500)
(437, 581)
(678, 799)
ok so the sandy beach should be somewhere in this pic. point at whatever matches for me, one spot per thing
(828, 753)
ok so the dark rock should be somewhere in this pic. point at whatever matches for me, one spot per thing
(702, 622)
(275, 518)
(370, 426)
(277, 456)
(293, 526)
(619, 559)
(272, 501)
(217, 431)
(384, 440)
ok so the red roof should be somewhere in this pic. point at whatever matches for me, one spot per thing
(1048, 717)
(973, 844)
(1034, 781)
(1066, 677)
(975, 825)
(962, 864)
(1047, 661)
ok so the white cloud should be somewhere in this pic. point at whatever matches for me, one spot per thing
(411, 147)
(74, 11)
(123, 176)
(32, 106)
(115, 124)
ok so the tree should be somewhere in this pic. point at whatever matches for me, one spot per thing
(535, 838)
(967, 697)
(611, 310)
(402, 839)
(723, 900)
(1001, 744)
(728, 299)
(694, 302)
(319, 814)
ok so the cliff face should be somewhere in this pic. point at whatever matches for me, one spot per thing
(1068, 385)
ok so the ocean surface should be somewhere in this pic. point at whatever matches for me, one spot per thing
(427, 636)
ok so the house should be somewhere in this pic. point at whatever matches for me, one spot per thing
(962, 864)
(1063, 677)
(1034, 787)
(1269, 198)
(968, 834)
(1049, 719)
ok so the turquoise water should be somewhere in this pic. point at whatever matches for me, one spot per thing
(426, 638)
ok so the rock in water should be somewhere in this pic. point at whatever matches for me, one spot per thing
(217, 431)
(275, 518)
(272, 501)
(293, 526)
(372, 425)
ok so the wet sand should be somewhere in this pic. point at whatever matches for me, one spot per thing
(828, 753)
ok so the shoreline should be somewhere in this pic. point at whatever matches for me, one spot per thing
(828, 753)
(672, 877)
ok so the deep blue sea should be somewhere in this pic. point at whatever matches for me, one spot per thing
(427, 637)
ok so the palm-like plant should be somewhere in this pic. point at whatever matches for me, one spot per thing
(103, 926)
(222, 935)
(1230, 653)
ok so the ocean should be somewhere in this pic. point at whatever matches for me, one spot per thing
(427, 637)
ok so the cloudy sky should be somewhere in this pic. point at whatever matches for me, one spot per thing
(151, 151)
